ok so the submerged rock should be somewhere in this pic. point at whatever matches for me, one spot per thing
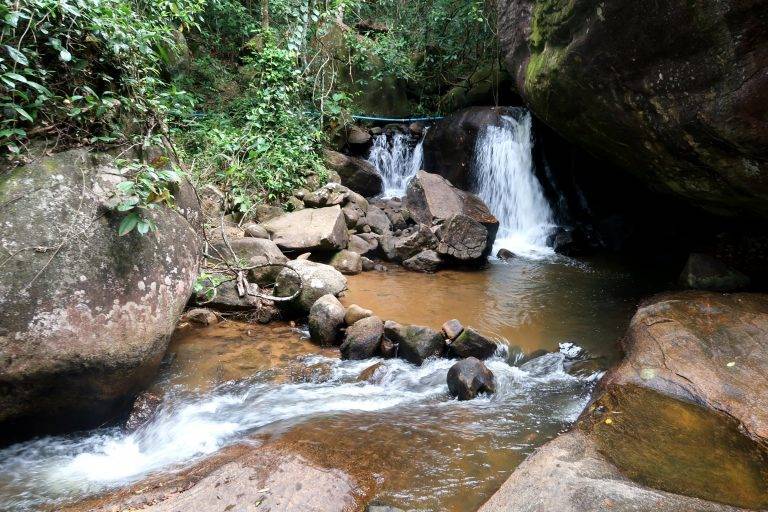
(471, 343)
(317, 279)
(702, 272)
(143, 410)
(312, 229)
(415, 342)
(326, 318)
(363, 339)
(85, 314)
(469, 378)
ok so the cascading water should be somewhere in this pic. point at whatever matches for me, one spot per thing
(504, 178)
(397, 160)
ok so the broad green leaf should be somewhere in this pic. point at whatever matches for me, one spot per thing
(23, 113)
(128, 223)
(17, 55)
(65, 56)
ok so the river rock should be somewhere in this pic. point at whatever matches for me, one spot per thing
(362, 246)
(254, 230)
(85, 314)
(317, 280)
(452, 329)
(252, 252)
(415, 342)
(330, 194)
(347, 262)
(505, 254)
(326, 318)
(357, 135)
(363, 338)
(312, 229)
(400, 248)
(569, 474)
(201, 316)
(355, 313)
(143, 410)
(378, 220)
(703, 272)
(425, 261)
(672, 92)
(464, 239)
(702, 347)
(368, 374)
(224, 296)
(471, 343)
(355, 173)
(470, 377)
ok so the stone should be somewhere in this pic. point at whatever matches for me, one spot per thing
(318, 279)
(252, 252)
(211, 203)
(361, 246)
(452, 329)
(293, 204)
(347, 262)
(471, 343)
(469, 378)
(703, 272)
(312, 229)
(378, 220)
(697, 130)
(352, 215)
(225, 297)
(357, 135)
(703, 347)
(464, 239)
(86, 314)
(368, 264)
(368, 374)
(505, 254)
(403, 247)
(426, 261)
(362, 339)
(355, 173)
(388, 348)
(330, 194)
(416, 128)
(201, 316)
(326, 318)
(415, 342)
(264, 212)
(355, 313)
(254, 230)
(143, 410)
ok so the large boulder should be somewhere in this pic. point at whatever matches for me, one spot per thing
(363, 338)
(85, 314)
(426, 261)
(464, 239)
(674, 92)
(703, 272)
(449, 145)
(355, 173)
(317, 279)
(469, 378)
(326, 318)
(311, 229)
(401, 248)
(415, 342)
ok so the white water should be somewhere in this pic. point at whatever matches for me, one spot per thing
(57, 469)
(503, 176)
(397, 160)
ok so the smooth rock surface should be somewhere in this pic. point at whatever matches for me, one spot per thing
(317, 279)
(311, 229)
(347, 262)
(363, 338)
(425, 261)
(356, 173)
(326, 318)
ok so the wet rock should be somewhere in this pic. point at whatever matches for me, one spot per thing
(201, 316)
(86, 314)
(403, 247)
(368, 374)
(143, 410)
(425, 261)
(569, 242)
(253, 230)
(253, 252)
(361, 246)
(415, 342)
(355, 173)
(330, 194)
(471, 343)
(317, 279)
(368, 264)
(347, 262)
(416, 128)
(505, 254)
(469, 378)
(388, 348)
(223, 296)
(378, 220)
(355, 313)
(452, 329)
(703, 347)
(326, 318)
(530, 356)
(313, 229)
(463, 238)
(363, 339)
(383, 508)
(703, 272)
(357, 135)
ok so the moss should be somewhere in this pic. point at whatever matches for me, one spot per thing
(540, 66)
(549, 16)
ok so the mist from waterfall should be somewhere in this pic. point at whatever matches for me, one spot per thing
(503, 176)
(397, 160)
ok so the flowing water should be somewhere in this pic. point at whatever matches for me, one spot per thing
(503, 176)
(423, 449)
(398, 157)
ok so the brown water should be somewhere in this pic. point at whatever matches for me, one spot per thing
(401, 432)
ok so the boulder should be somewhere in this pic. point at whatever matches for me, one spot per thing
(201, 316)
(347, 262)
(464, 239)
(312, 229)
(330, 194)
(452, 329)
(415, 342)
(703, 347)
(400, 248)
(702, 272)
(85, 314)
(317, 279)
(254, 251)
(357, 135)
(377, 220)
(368, 374)
(355, 173)
(363, 339)
(355, 313)
(425, 261)
(470, 377)
(254, 230)
(672, 92)
(326, 318)
(449, 145)
(505, 254)
(471, 343)
(362, 246)
(223, 296)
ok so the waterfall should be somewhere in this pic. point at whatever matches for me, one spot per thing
(504, 178)
(397, 161)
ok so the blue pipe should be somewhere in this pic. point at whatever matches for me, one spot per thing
(395, 120)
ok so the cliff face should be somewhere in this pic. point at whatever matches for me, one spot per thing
(673, 92)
